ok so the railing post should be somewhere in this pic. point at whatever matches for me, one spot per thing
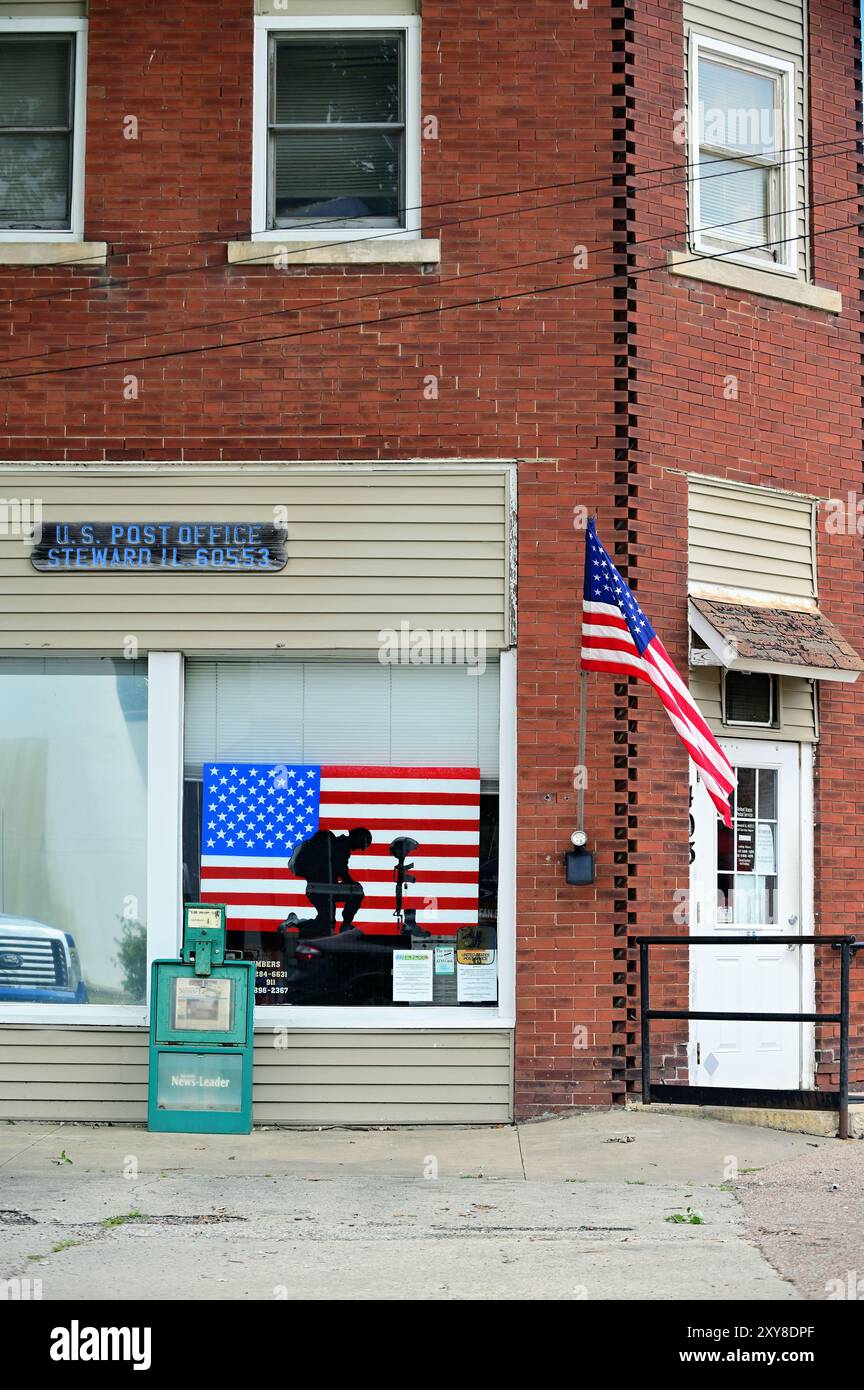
(843, 1126)
(646, 1023)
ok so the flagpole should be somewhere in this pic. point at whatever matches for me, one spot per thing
(583, 729)
(583, 732)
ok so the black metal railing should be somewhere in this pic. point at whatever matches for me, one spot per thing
(738, 1095)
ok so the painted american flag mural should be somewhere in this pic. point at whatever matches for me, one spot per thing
(254, 815)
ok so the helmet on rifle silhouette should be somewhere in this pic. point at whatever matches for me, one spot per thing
(402, 846)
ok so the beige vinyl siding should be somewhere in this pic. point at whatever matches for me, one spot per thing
(318, 1077)
(367, 549)
(798, 711)
(37, 9)
(779, 29)
(287, 8)
(751, 541)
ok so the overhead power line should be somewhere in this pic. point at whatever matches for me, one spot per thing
(629, 273)
(396, 289)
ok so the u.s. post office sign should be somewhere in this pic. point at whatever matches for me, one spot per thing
(195, 547)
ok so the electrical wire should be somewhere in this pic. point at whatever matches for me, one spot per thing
(627, 274)
(396, 289)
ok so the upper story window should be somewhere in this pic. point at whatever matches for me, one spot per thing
(41, 127)
(337, 127)
(742, 137)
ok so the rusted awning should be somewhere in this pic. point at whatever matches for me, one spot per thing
(785, 641)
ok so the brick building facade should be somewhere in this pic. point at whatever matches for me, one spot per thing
(550, 331)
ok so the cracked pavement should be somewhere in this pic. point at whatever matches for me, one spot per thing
(576, 1208)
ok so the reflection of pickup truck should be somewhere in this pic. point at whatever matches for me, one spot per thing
(38, 964)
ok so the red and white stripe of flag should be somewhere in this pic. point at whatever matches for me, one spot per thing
(608, 645)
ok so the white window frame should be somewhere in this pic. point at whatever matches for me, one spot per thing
(782, 71)
(459, 1017)
(60, 24)
(265, 25)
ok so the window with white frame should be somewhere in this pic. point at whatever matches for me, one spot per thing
(73, 831)
(336, 126)
(42, 103)
(742, 138)
(347, 813)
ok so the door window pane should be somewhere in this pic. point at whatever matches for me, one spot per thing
(747, 863)
(768, 794)
(73, 767)
(744, 804)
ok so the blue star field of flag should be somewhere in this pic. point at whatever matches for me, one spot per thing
(259, 809)
(603, 584)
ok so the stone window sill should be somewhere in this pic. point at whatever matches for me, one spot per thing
(53, 252)
(423, 251)
(752, 281)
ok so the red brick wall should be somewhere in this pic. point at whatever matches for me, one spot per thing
(517, 378)
(523, 96)
(796, 424)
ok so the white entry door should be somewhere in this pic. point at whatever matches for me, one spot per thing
(747, 882)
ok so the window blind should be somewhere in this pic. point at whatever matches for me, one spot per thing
(329, 712)
(337, 80)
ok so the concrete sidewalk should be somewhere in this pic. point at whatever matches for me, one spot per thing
(561, 1209)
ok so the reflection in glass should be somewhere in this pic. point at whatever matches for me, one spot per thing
(73, 759)
(768, 793)
(336, 81)
(725, 842)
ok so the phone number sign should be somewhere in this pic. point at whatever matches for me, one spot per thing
(195, 547)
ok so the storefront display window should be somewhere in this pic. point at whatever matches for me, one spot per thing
(73, 805)
(347, 816)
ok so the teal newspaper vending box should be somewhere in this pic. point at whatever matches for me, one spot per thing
(201, 1040)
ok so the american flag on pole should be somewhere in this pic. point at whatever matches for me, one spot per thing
(618, 638)
(254, 814)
